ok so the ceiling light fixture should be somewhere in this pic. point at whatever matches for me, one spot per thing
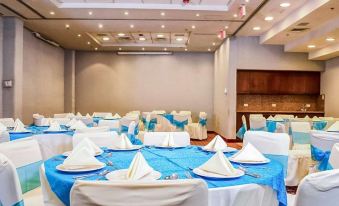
(165, 49)
(269, 18)
(197, 14)
(106, 38)
(79, 35)
(126, 13)
(143, 49)
(311, 46)
(121, 34)
(96, 48)
(162, 14)
(88, 42)
(193, 26)
(120, 49)
(226, 27)
(163, 26)
(213, 43)
(235, 15)
(160, 35)
(52, 13)
(256, 28)
(179, 39)
(132, 26)
(142, 38)
(330, 39)
(100, 26)
(67, 26)
(209, 49)
(90, 13)
(285, 4)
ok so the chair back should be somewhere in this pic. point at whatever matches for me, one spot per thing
(156, 138)
(244, 122)
(102, 139)
(4, 136)
(159, 112)
(93, 129)
(86, 120)
(10, 190)
(258, 123)
(101, 114)
(320, 188)
(64, 115)
(140, 193)
(131, 128)
(26, 157)
(126, 121)
(189, 114)
(61, 121)
(113, 124)
(301, 132)
(8, 122)
(180, 121)
(41, 121)
(334, 157)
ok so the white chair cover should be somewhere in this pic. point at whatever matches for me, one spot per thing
(111, 123)
(41, 121)
(159, 112)
(320, 188)
(61, 121)
(156, 138)
(196, 130)
(164, 125)
(102, 114)
(334, 157)
(10, 189)
(64, 115)
(180, 118)
(4, 136)
(324, 140)
(257, 123)
(103, 139)
(131, 127)
(49, 197)
(189, 114)
(140, 193)
(93, 129)
(300, 132)
(85, 120)
(132, 113)
(8, 122)
(126, 120)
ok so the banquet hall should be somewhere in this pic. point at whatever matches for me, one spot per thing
(169, 102)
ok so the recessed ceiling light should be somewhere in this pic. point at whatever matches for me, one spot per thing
(96, 48)
(193, 26)
(209, 49)
(269, 18)
(52, 13)
(197, 14)
(213, 43)
(126, 13)
(90, 13)
(132, 26)
(142, 38)
(106, 38)
(179, 39)
(226, 27)
(311, 46)
(121, 34)
(100, 26)
(256, 28)
(79, 35)
(186, 49)
(143, 48)
(160, 35)
(162, 14)
(120, 49)
(67, 26)
(285, 4)
(330, 39)
(162, 26)
(235, 15)
(88, 42)
(165, 49)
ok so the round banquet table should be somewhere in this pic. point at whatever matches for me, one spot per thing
(268, 190)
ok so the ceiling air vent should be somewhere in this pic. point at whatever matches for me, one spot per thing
(303, 24)
(299, 29)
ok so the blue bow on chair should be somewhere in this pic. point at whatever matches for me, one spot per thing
(322, 157)
(203, 122)
(319, 125)
(271, 126)
(179, 124)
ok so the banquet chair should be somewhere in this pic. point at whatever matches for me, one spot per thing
(156, 138)
(93, 129)
(102, 139)
(126, 120)
(135, 112)
(321, 146)
(257, 123)
(4, 136)
(10, 190)
(86, 120)
(300, 132)
(243, 128)
(198, 130)
(64, 115)
(180, 121)
(40, 120)
(320, 188)
(140, 193)
(113, 124)
(274, 144)
(101, 114)
(27, 167)
(164, 123)
(61, 121)
(8, 122)
(189, 114)
(131, 128)
(334, 157)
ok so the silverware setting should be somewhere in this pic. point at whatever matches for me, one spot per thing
(173, 176)
(188, 175)
(249, 173)
(102, 173)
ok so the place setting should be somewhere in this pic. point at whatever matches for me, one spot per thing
(19, 128)
(217, 144)
(169, 143)
(123, 143)
(55, 128)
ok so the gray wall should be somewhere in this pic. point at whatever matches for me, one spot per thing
(117, 83)
(247, 53)
(330, 86)
(43, 82)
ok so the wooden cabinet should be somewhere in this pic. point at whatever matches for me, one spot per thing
(278, 82)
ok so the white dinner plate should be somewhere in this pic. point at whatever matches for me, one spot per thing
(135, 147)
(227, 149)
(252, 163)
(121, 175)
(80, 169)
(14, 132)
(200, 172)
(167, 147)
(66, 154)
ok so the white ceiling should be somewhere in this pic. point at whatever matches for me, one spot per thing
(201, 21)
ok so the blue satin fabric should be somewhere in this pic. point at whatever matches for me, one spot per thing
(319, 125)
(150, 126)
(180, 125)
(124, 129)
(271, 126)
(322, 157)
(37, 130)
(282, 159)
(203, 122)
(20, 203)
(301, 138)
(169, 161)
(29, 176)
(241, 132)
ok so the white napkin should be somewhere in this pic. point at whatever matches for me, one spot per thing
(82, 158)
(79, 114)
(37, 116)
(2, 127)
(249, 154)
(139, 168)
(218, 164)
(270, 118)
(279, 119)
(334, 127)
(216, 144)
(168, 141)
(78, 125)
(122, 142)
(71, 123)
(307, 117)
(88, 116)
(87, 143)
(54, 127)
(70, 115)
(19, 126)
(315, 119)
(116, 116)
(324, 181)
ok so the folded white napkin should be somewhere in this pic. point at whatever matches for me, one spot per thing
(270, 118)
(79, 114)
(218, 164)
(82, 158)
(54, 127)
(324, 181)
(307, 117)
(19, 126)
(122, 142)
(88, 116)
(2, 127)
(334, 127)
(168, 141)
(78, 125)
(72, 122)
(249, 154)
(139, 168)
(116, 116)
(315, 119)
(216, 144)
(37, 116)
(87, 143)
(70, 115)
(279, 119)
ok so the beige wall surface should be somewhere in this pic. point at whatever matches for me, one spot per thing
(247, 53)
(105, 81)
(43, 82)
(330, 86)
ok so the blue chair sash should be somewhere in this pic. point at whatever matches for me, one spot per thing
(150, 126)
(271, 126)
(319, 125)
(322, 157)
(203, 122)
(134, 140)
(124, 129)
(180, 125)
(29, 176)
(169, 117)
(241, 132)
(301, 138)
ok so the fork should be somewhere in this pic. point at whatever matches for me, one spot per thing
(248, 173)
(90, 175)
(188, 175)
